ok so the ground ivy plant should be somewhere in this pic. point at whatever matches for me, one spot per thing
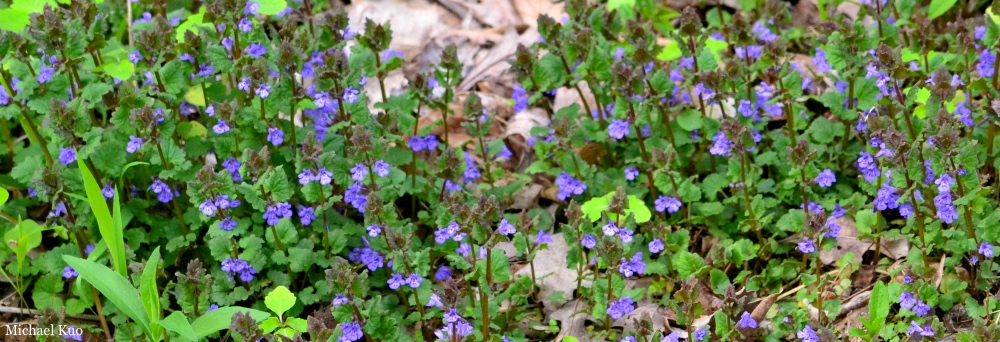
(186, 170)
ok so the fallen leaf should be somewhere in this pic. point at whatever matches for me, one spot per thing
(551, 271)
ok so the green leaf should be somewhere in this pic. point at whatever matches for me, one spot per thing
(150, 294)
(719, 281)
(14, 19)
(690, 120)
(596, 206)
(268, 325)
(939, 7)
(4, 195)
(670, 52)
(178, 324)
(113, 286)
(191, 24)
(687, 264)
(28, 235)
(219, 319)
(865, 221)
(196, 96)
(279, 300)
(271, 7)
(878, 308)
(122, 70)
(638, 207)
(110, 232)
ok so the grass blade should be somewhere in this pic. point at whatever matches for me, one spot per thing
(114, 286)
(110, 231)
(150, 294)
(220, 318)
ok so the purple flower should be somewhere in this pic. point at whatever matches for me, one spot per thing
(945, 207)
(381, 168)
(358, 172)
(374, 229)
(67, 155)
(108, 191)
(887, 197)
(618, 129)
(371, 259)
(669, 204)
(747, 109)
(588, 241)
(414, 280)
(350, 332)
(339, 300)
(275, 136)
(751, 52)
(251, 8)
(220, 127)
(621, 307)
(819, 60)
(701, 334)
(763, 33)
(833, 228)
(506, 228)
(306, 215)
(986, 249)
(443, 272)
(656, 246)
(73, 333)
(356, 197)
(985, 66)
(915, 328)
(255, 50)
(826, 178)
(569, 186)
(722, 145)
(135, 56)
(868, 167)
(907, 300)
(428, 143)
(390, 54)
(263, 90)
(239, 267)
(807, 334)
(964, 113)
(672, 337)
(208, 207)
(921, 309)
(233, 166)
(434, 300)
(227, 224)
(520, 97)
(471, 173)
(632, 266)
(807, 246)
(631, 172)
(163, 190)
(276, 212)
(444, 233)
(746, 322)
(45, 74)
(69, 273)
(543, 237)
(245, 25)
(396, 281)
(619, 52)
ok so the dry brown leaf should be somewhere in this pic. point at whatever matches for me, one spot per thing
(566, 97)
(657, 315)
(552, 273)
(760, 311)
(848, 241)
(530, 10)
